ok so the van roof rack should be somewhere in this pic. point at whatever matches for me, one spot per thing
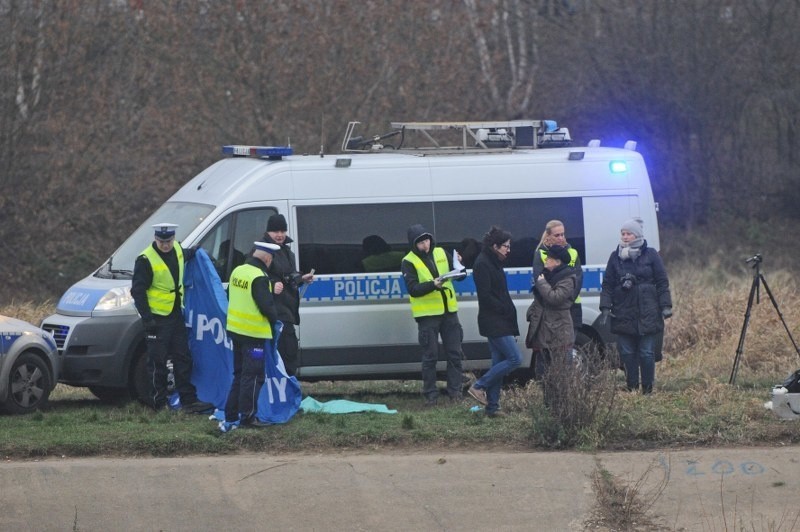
(476, 136)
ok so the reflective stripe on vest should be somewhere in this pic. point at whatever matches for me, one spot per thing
(162, 291)
(573, 257)
(432, 304)
(243, 314)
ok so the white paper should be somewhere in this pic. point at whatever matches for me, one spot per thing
(458, 269)
(457, 266)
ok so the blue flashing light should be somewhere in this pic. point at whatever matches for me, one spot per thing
(618, 167)
(271, 152)
(550, 126)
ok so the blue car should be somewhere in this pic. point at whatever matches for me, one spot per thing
(29, 366)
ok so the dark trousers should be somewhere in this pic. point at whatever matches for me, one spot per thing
(249, 371)
(576, 312)
(637, 354)
(449, 328)
(287, 347)
(170, 342)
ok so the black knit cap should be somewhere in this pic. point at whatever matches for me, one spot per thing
(276, 222)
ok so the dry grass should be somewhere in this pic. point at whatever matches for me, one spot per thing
(28, 310)
(625, 505)
(701, 339)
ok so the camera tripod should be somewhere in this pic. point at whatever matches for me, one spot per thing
(758, 280)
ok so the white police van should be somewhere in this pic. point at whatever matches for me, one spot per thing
(357, 324)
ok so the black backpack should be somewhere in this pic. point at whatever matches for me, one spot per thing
(792, 383)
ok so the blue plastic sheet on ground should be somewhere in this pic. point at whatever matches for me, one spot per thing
(309, 405)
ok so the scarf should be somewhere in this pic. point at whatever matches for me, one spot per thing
(630, 250)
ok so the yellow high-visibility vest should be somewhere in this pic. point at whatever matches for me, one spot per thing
(432, 304)
(243, 314)
(162, 291)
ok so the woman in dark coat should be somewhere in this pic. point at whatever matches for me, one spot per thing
(551, 332)
(637, 298)
(497, 318)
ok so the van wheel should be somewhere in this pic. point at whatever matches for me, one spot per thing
(29, 385)
(139, 379)
(111, 395)
(590, 351)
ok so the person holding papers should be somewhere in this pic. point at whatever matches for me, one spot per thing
(428, 273)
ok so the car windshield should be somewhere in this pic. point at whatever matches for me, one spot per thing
(186, 215)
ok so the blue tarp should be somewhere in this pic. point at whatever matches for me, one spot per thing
(206, 307)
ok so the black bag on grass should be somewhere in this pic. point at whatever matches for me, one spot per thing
(792, 383)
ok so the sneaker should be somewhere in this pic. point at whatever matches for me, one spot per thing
(199, 407)
(496, 413)
(477, 394)
(227, 426)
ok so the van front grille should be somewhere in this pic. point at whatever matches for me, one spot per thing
(59, 332)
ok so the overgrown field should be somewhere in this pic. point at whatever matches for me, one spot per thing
(692, 403)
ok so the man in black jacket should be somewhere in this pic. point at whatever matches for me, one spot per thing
(286, 282)
(434, 307)
(157, 291)
(251, 320)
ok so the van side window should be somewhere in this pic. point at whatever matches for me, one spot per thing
(332, 237)
(229, 243)
(460, 223)
(339, 239)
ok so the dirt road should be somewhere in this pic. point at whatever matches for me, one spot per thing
(704, 490)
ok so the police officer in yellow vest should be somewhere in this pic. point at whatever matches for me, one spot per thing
(434, 307)
(251, 316)
(157, 290)
(555, 235)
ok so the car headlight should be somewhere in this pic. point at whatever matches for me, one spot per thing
(115, 298)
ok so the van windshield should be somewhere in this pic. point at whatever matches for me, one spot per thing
(186, 215)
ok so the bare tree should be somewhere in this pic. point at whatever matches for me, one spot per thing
(505, 34)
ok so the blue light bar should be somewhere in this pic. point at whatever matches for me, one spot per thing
(618, 167)
(272, 152)
(549, 126)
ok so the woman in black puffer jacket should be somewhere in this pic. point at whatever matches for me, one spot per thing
(636, 297)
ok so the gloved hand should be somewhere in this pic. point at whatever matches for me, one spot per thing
(149, 326)
(666, 312)
(189, 253)
(602, 321)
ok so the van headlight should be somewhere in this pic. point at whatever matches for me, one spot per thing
(115, 298)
